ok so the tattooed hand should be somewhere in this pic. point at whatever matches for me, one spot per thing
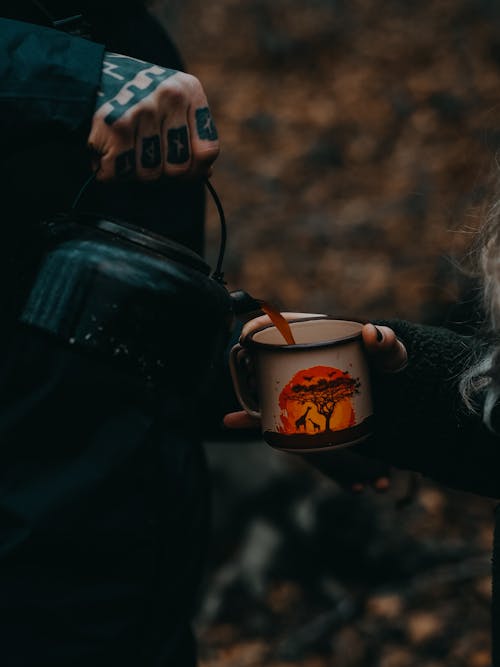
(150, 121)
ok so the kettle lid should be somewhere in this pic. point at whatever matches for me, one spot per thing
(145, 238)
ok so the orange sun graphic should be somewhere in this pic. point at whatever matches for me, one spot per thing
(316, 400)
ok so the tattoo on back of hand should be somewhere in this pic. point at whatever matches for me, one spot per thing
(205, 125)
(178, 145)
(125, 82)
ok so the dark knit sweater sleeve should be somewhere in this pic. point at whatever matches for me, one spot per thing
(421, 421)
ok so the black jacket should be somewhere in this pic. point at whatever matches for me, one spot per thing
(103, 508)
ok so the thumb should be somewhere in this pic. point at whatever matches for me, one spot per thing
(385, 351)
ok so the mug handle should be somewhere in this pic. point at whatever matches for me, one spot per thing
(239, 376)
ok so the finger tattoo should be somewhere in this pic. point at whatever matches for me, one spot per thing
(151, 152)
(205, 124)
(178, 145)
(125, 164)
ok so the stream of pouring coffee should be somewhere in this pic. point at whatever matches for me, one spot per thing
(279, 322)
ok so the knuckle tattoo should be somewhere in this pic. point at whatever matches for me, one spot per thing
(151, 152)
(178, 145)
(125, 164)
(205, 125)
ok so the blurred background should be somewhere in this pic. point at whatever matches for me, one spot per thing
(358, 142)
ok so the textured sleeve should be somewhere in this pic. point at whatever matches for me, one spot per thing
(48, 82)
(421, 421)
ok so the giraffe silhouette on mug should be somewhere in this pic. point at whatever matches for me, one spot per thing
(301, 421)
(314, 424)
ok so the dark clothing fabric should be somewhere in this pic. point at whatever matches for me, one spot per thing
(423, 423)
(102, 514)
(49, 83)
(424, 426)
(103, 488)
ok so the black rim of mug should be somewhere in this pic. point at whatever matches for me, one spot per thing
(249, 341)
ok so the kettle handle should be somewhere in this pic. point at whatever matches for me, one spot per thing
(88, 181)
(218, 274)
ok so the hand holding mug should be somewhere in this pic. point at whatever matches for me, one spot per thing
(386, 354)
(313, 394)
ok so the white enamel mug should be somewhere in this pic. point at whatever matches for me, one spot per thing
(311, 396)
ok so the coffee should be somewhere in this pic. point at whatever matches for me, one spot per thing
(279, 322)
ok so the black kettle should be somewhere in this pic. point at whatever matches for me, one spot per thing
(140, 300)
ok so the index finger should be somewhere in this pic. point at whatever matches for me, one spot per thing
(204, 137)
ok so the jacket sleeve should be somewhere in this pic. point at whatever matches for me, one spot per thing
(421, 421)
(48, 82)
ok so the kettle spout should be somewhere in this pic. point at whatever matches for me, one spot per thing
(245, 307)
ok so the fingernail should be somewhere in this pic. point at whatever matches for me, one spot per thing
(380, 335)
